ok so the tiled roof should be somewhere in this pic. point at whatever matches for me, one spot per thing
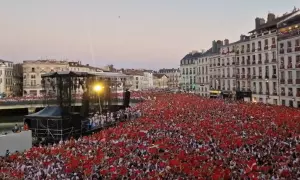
(159, 75)
(192, 55)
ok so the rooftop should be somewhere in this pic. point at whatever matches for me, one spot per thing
(273, 23)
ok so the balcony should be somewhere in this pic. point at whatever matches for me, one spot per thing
(243, 62)
(290, 66)
(238, 76)
(274, 93)
(233, 63)
(253, 77)
(259, 49)
(248, 62)
(297, 48)
(297, 81)
(242, 51)
(253, 50)
(248, 76)
(289, 50)
(259, 77)
(248, 49)
(282, 81)
(281, 51)
(273, 46)
(274, 61)
(290, 81)
(243, 76)
(281, 66)
(266, 61)
(228, 64)
(259, 62)
(253, 62)
(290, 94)
(274, 76)
(282, 93)
(266, 47)
(260, 92)
(223, 64)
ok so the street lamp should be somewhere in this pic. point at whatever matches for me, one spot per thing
(98, 88)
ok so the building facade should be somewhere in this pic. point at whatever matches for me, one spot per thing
(32, 74)
(173, 77)
(265, 63)
(17, 79)
(6, 78)
(188, 71)
(289, 60)
(160, 81)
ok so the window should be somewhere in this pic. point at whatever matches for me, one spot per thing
(274, 70)
(267, 71)
(137, 86)
(266, 42)
(298, 61)
(274, 86)
(259, 57)
(290, 74)
(253, 45)
(297, 42)
(273, 55)
(297, 74)
(137, 78)
(283, 102)
(281, 45)
(289, 44)
(254, 72)
(273, 41)
(267, 56)
(32, 70)
(259, 45)
(253, 57)
(282, 75)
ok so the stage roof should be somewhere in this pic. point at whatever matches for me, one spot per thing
(67, 73)
(47, 112)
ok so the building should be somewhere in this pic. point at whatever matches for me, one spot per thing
(6, 78)
(289, 60)
(160, 81)
(188, 71)
(173, 75)
(263, 64)
(140, 79)
(18, 79)
(32, 74)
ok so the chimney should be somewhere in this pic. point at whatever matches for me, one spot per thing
(271, 17)
(242, 37)
(226, 42)
(214, 47)
(259, 22)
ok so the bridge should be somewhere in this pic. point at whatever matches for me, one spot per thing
(32, 105)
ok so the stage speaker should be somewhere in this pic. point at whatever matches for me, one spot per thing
(84, 112)
(126, 98)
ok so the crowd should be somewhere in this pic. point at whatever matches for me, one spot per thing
(97, 120)
(179, 136)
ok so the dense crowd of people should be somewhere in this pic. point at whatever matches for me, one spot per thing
(179, 136)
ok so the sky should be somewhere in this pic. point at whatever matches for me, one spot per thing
(148, 34)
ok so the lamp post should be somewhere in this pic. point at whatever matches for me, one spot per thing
(97, 89)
